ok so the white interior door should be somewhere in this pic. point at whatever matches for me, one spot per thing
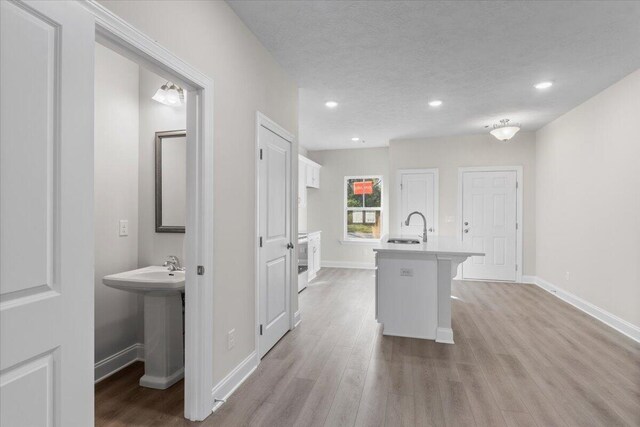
(46, 214)
(274, 262)
(489, 215)
(418, 192)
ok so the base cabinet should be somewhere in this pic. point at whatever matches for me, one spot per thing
(314, 255)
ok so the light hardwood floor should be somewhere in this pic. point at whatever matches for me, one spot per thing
(522, 358)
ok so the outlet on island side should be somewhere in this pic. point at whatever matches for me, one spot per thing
(231, 339)
(406, 272)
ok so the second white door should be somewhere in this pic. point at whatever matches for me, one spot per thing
(418, 192)
(489, 212)
(275, 238)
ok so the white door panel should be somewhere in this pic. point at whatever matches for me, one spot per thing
(418, 192)
(275, 231)
(46, 214)
(489, 213)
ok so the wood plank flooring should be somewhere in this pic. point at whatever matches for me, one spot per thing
(522, 358)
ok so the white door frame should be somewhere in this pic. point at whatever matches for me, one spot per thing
(120, 36)
(519, 204)
(436, 193)
(294, 318)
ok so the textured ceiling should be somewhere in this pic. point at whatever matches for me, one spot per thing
(383, 61)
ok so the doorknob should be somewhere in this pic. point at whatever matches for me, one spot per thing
(289, 245)
(466, 223)
(466, 230)
(431, 230)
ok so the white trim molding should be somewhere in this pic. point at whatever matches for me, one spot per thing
(118, 35)
(118, 361)
(225, 388)
(609, 319)
(519, 210)
(297, 318)
(349, 264)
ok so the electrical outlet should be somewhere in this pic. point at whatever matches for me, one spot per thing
(406, 272)
(231, 339)
(124, 227)
(567, 276)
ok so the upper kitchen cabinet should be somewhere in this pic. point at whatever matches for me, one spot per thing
(310, 171)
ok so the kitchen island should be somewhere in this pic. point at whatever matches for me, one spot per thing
(413, 286)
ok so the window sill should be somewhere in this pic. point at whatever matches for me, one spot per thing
(361, 242)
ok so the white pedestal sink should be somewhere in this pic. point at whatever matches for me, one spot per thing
(163, 349)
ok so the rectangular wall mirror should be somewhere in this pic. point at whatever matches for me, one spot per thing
(171, 181)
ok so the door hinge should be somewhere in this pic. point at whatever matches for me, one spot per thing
(261, 154)
(260, 241)
(516, 267)
(261, 329)
(516, 184)
(516, 225)
(200, 270)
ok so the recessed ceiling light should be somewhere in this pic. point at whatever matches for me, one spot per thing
(355, 139)
(331, 104)
(544, 85)
(435, 103)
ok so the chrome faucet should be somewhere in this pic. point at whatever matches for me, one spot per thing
(424, 224)
(173, 263)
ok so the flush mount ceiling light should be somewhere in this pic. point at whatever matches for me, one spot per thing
(169, 94)
(505, 131)
(435, 103)
(331, 104)
(543, 85)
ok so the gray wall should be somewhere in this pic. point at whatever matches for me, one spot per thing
(154, 117)
(326, 204)
(211, 37)
(450, 153)
(116, 197)
(588, 201)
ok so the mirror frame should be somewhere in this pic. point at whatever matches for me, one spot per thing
(159, 137)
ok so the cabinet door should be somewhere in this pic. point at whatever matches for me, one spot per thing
(316, 177)
(309, 175)
(302, 184)
(316, 255)
(310, 262)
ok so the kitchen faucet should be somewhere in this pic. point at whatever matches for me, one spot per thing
(424, 224)
(173, 262)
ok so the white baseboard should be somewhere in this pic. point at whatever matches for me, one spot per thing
(114, 363)
(349, 264)
(611, 320)
(232, 381)
(296, 319)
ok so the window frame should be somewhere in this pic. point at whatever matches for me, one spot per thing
(346, 209)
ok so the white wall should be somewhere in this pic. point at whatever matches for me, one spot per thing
(326, 205)
(116, 197)
(448, 154)
(154, 117)
(209, 36)
(588, 203)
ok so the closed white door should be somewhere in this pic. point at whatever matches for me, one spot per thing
(489, 214)
(418, 192)
(275, 235)
(46, 214)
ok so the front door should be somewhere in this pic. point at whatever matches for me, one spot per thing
(275, 237)
(489, 207)
(46, 214)
(418, 192)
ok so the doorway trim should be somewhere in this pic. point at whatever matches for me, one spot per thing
(519, 205)
(436, 195)
(263, 120)
(120, 36)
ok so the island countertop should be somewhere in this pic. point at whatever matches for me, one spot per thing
(436, 245)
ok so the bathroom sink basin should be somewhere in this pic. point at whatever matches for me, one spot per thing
(404, 241)
(154, 279)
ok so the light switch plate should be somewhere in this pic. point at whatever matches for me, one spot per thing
(124, 227)
(406, 272)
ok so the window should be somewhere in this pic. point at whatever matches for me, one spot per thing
(362, 208)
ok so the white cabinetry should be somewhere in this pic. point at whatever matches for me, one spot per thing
(302, 184)
(314, 255)
(313, 174)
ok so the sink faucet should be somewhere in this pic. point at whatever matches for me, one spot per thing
(173, 263)
(424, 224)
